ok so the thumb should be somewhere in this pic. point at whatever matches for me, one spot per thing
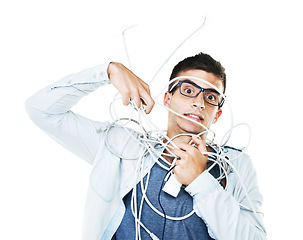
(200, 143)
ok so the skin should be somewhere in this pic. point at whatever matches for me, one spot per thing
(191, 161)
(185, 105)
(130, 86)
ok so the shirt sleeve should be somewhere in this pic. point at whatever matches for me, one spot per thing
(50, 107)
(226, 213)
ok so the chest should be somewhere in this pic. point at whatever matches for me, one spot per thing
(159, 213)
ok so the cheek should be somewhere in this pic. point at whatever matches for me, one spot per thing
(211, 117)
(174, 105)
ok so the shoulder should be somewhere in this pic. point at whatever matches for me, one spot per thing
(242, 167)
(239, 159)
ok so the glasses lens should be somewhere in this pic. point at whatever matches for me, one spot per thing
(212, 97)
(189, 90)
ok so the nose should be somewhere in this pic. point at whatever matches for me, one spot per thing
(198, 102)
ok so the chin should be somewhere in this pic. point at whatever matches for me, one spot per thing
(193, 129)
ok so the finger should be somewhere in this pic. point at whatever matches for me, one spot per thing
(148, 101)
(176, 170)
(136, 98)
(200, 143)
(179, 153)
(125, 98)
(185, 146)
(146, 87)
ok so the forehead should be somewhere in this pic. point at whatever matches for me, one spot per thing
(209, 77)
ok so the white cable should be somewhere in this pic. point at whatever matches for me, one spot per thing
(125, 45)
(143, 190)
(177, 48)
(144, 197)
(148, 142)
(229, 132)
(182, 116)
(252, 208)
(243, 150)
(148, 147)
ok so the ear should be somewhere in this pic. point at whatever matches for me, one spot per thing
(218, 114)
(167, 98)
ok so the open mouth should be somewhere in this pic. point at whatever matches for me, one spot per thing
(194, 117)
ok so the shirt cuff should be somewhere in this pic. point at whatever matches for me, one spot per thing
(97, 74)
(202, 185)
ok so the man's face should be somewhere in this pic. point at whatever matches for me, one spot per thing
(194, 108)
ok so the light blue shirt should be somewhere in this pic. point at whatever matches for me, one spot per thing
(224, 211)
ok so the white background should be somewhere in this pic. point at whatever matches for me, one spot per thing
(259, 42)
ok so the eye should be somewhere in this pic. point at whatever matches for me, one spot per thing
(211, 97)
(189, 91)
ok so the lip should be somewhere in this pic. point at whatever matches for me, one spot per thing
(194, 116)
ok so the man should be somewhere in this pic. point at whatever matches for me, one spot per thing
(120, 206)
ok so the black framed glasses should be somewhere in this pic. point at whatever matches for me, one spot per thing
(192, 90)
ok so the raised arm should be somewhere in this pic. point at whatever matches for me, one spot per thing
(50, 107)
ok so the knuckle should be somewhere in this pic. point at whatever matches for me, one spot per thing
(186, 157)
(133, 88)
(126, 92)
(152, 102)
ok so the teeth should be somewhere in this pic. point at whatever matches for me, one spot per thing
(194, 116)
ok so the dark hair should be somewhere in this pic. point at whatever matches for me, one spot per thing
(201, 61)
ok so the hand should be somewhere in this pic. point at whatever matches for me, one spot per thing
(192, 162)
(130, 86)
